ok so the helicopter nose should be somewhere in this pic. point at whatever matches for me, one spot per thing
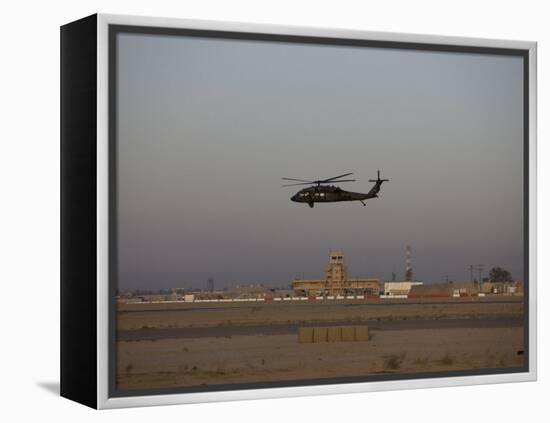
(294, 197)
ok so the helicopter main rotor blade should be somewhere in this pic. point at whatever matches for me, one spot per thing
(301, 183)
(299, 180)
(317, 183)
(335, 177)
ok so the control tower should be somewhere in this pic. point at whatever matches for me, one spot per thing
(336, 281)
(335, 272)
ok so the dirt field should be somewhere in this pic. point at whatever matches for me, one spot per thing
(163, 346)
(244, 359)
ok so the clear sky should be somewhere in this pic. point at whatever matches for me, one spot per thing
(207, 128)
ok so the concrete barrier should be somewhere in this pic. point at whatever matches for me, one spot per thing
(320, 334)
(348, 333)
(334, 334)
(305, 335)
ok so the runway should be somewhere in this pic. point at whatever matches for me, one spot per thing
(292, 328)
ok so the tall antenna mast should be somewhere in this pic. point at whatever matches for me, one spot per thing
(408, 266)
(210, 285)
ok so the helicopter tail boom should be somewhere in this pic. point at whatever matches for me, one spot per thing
(377, 184)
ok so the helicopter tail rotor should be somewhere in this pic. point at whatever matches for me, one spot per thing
(378, 180)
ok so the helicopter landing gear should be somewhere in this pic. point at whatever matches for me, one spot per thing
(362, 202)
(310, 205)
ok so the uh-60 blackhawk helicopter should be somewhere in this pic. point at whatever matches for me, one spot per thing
(321, 192)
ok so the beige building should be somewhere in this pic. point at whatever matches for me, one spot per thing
(502, 288)
(399, 287)
(336, 281)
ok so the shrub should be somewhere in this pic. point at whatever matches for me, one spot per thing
(394, 361)
(447, 359)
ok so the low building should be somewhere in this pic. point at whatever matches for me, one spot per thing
(400, 287)
(464, 289)
(448, 289)
(248, 291)
(502, 288)
(336, 281)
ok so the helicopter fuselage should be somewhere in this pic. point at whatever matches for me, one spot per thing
(329, 194)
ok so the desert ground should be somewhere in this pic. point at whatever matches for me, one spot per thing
(187, 345)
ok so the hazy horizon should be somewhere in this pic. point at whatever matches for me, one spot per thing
(207, 128)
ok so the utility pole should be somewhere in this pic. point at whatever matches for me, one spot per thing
(479, 269)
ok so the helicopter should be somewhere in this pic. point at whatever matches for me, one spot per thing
(322, 192)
